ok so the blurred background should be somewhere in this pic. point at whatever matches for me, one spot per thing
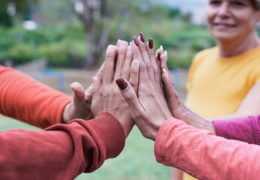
(61, 41)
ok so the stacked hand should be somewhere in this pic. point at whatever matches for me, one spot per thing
(118, 64)
(146, 95)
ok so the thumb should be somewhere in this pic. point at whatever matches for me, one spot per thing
(164, 58)
(172, 95)
(78, 91)
(130, 97)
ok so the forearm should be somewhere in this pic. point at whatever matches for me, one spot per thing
(61, 151)
(26, 99)
(194, 120)
(204, 155)
(243, 129)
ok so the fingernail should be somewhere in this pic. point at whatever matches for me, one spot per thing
(161, 47)
(122, 84)
(173, 84)
(164, 71)
(159, 56)
(142, 36)
(150, 43)
(118, 41)
(135, 40)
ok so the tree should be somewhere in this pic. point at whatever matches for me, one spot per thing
(10, 8)
(91, 13)
(96, 16)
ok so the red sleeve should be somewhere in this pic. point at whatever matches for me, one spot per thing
(204, 155)
(60, 151)
(28, 100)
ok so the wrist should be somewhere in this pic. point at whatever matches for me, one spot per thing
(65, 115)
(194, 120)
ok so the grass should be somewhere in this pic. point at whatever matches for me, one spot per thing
(137, 161)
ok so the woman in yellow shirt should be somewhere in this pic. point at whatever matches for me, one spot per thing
(224, 80)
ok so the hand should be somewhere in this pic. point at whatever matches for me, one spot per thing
(179, 110)
(80, 104)
(108, 98)
(150, 109)
(162, 57)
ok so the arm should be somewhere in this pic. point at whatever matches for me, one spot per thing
(249, 106)
(242, 129)
(204, 155)
(60, 151)
(26, 99)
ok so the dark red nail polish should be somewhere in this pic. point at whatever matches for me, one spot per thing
(135, 41)
(150, 43)
(122, 84)
(142, 36)
(173, 84)
(159, 56)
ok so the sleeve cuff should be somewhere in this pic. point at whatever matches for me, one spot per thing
(107, 128)
(256, 125)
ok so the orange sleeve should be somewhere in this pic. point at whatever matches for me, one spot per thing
(204, 155)
(28, 100)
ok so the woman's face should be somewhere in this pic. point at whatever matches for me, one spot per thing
(231, 19)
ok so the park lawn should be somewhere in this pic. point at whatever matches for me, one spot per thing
(137, 160)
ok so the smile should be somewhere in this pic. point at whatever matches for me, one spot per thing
(224, 26)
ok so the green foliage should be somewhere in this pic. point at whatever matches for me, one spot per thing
(65, 53)
(62, 40)
(22, 53)
(60, 45)
(22, 9)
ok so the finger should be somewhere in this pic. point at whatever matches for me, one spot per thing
(146, 58)
(171, 92)
(127, 65)
(134, 75)
(143, 76)
(78, 92)
(136, 52)
(100, 70)
(142, 49)
(122, 49)
(108, 71)
(164, 58)
(130, 97)
(155, 68)
(158, 54)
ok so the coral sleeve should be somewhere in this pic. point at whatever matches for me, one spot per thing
(28, 100)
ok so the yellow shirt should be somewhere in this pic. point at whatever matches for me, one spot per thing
(216, 86)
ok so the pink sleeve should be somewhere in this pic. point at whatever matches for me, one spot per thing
(204, 155)
(243, 129)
